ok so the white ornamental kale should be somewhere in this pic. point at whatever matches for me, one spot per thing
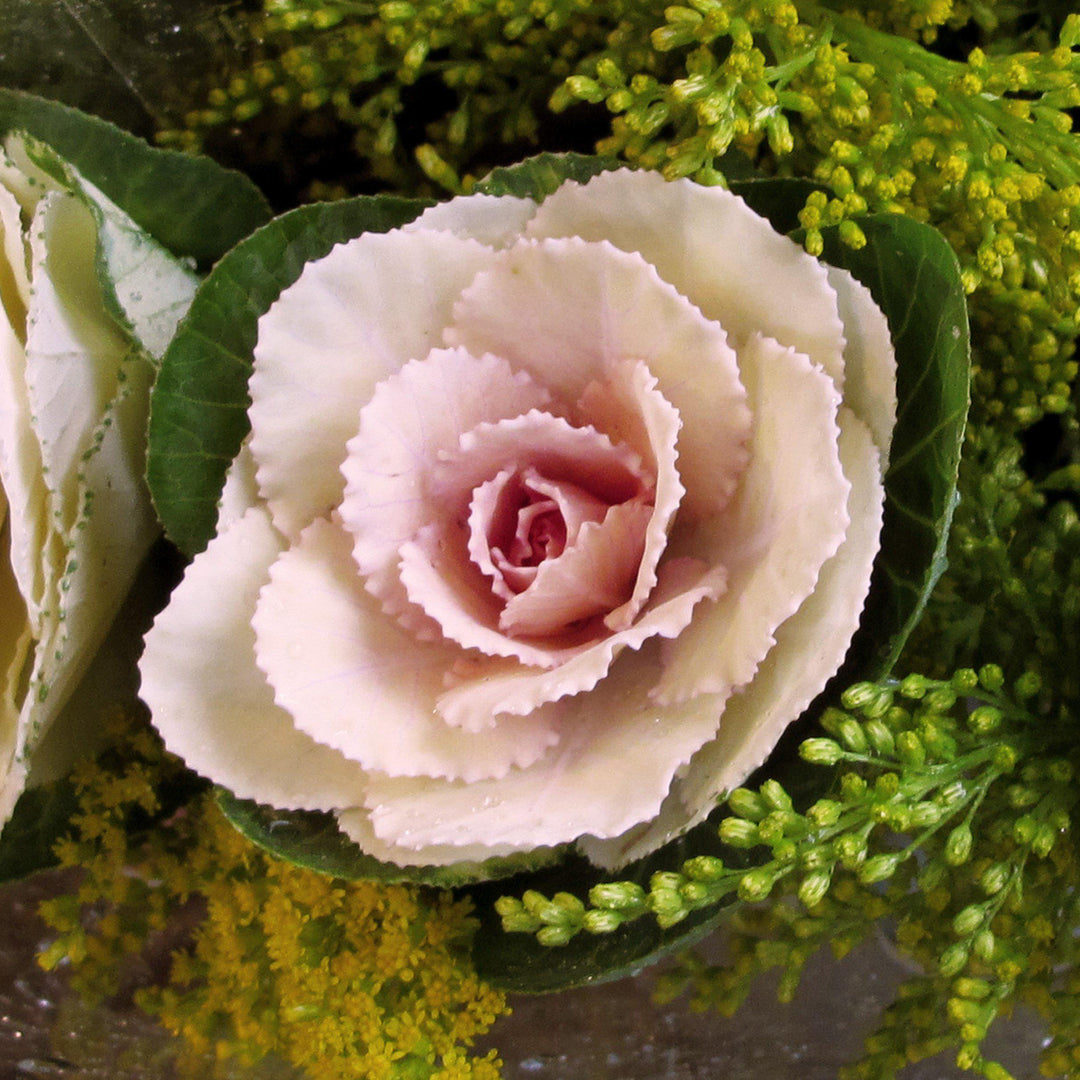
(84, 295)
(551, 519)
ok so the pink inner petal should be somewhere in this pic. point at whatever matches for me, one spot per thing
(591, 577)
(414, 417)
(551, 446)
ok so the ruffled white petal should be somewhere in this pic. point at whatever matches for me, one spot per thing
(682, 586)
(714, 249)
(356, 824)
(211, 703)
(414, 419)
(787, 519)
(869, 359)
(87, 392)
(353, 680)
(810, 647)
(572, 312)
(613, 768)
(632, 391)
(352, 319)
(495, 220)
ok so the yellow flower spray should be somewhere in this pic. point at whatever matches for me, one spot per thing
(337, 978)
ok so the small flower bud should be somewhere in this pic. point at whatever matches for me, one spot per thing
(878, 868)
(756, 885)
(703, 868)
(880, 737)
(747, 804)
(739, 833)
(554, 936)
(821, 751)
(602, 922)
(852, 736)
(964, 681)
(984, 945)
(968, 920)
(824, 812)
(814, 887)
(994, 878)
(974, 989)
(910, 749)
(668, 906)
(617, 896)
(953, 960)
(984, 720)
(991, 677)
(958, 845)
(775, 796)
(915, 687)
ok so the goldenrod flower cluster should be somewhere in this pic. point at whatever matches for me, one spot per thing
(340, 979)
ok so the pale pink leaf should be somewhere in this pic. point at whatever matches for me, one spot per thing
(713, 249)
(355, 681)
(350, 320)
(212, 705)
(575, 314)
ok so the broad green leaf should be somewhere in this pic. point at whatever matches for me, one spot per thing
(312, 839)
(198, 412)
(537, 177)
(190, 205)
(915, 279)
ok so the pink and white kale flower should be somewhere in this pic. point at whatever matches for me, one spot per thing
(552, 517)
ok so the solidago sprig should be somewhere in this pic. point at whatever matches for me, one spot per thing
(337, 978)
(947, 810)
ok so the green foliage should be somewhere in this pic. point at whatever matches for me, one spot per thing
(190, 205)
(950, 811)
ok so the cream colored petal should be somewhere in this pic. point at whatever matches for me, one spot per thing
(869, 360)
(787, 519)
(352, 319)
(572, 313)
(208, 699)
(682, 586)
(810, 647)
(414, 419)
(353, 680)
(29, 502)
(495, 220)
(356, 824)
(87, 394)
(633, 391)
(14, 273)
(714, 249)
(74, 350)
(451, 591)
(612, 770)
(240, 492)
